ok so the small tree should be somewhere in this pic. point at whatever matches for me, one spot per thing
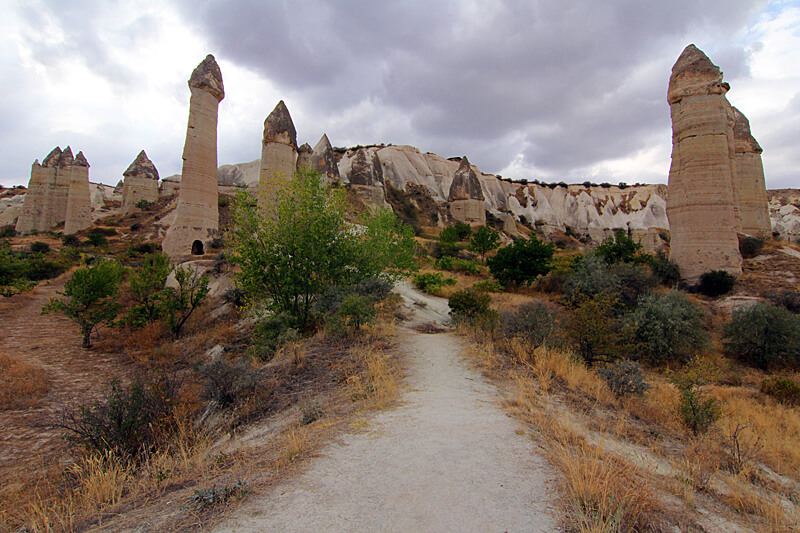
(621, 249)
(484, 240)
(590, 275)
(697, 411)
(521, 262)
(91, 295)
(146, 285)
(594, 330)
(179, 303)
(762, 335)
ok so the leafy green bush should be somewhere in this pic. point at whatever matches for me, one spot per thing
(668, 272)
(625, 378)
(621, 249)
(750, 246)
(96, 239)
(463, 230)
(271, 333)
(144, 205)
(590, 276)
(487, 285)
(634, 281)
(468, 304)
(431, 282)
(788, 299)
(784, 390)
(445, 262)
(223, 201)
(146, 288)
(667, 327)
(70, 240)
(354, 311)
(39, 247)
(38, 268)
(716, 283)
(762, 335)
(178, 303)
(534, 322)
(594, 329)
(484, 240)
(697, 411)
(7, 232)
(521, 262)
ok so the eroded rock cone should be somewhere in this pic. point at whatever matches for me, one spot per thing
(278, 155)
(750, 183)
(466, 196)
(323, 159)
(140, 183)
(79, 200)
(304, 156)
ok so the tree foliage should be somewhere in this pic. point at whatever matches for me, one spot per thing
(147, 286)
(178, 303)
(91, 297)
(762, 335)
(621, 249)
(594, 329)
(522, 261)
(484, 240)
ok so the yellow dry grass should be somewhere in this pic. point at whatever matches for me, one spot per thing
(379, 383)
(22, 383)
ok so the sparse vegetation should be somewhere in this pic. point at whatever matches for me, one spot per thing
(625, 377)
(716, 283)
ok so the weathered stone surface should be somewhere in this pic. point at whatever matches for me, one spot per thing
(304, 155)
(79, 202)
(197, 214)
(466, 197)
(278, 154)
(141, 183)
(702, 201)
(751, 188)
(323, 159)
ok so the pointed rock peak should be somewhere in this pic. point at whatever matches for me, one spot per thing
(52, 157)
(80, 160)
(36, 162)
(323, 145)
(741, 130)
(66, 159)
(465, 184)
(278, 127)
(207, 76)
(142, 166)
(305, 148)
(464, 165)
(692, 59)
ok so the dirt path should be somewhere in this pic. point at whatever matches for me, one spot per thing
(447, 459)
(54, 343)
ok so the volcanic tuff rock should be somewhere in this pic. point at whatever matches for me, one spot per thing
(702, 207)
(79, 201)
(304, 155)
(323, 159)
(197, 215)
(278, 154)
(750, 185)
(466, 197)
(141, 183)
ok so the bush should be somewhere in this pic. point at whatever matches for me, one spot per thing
(354, 311)
(634, 281)
(144, 205)
(7, 232)
(590, 276)
(668, 272)
(484, 240)
(468, 304)
(784, 390)
(463, 231)
(96, 239)
(716, 283)
(130, 420)
(487, 285)
(271, 333)
(431, 282)
(223, 201)
(762, 335)
(136, 226)
(697, 411)
(104, 231)
(625, 378)
(788, 299)
(750, 246)
(38, 268)
(521, 262)
(620, 249)
(70, 240)
(667, 327)
(594, 330)
(228, 383)
(39, 247)
(534, 322)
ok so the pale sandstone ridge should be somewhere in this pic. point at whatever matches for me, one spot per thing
(702, 203)
(58, 192)
(750, 184)
(323, 159)
(278, 154)
(466, 197)
(365, 176)
(140, 183)
(79, 200)
(197, 214)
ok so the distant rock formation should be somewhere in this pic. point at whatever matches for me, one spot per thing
(278, 153)
(197, 214)
(750, 184)
(703, 202)
(365, 176)
(58, 192)
(466, 197)
(323, 159)
(141, 183)
(304, 155)
(79, 200)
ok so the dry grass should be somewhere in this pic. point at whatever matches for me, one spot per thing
(379, 382)
(775, 512)
(573, 372)
(22, 384)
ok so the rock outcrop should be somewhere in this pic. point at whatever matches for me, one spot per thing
(323, 159)
(278, 154)
(702, 206)
(365, 176)
(304, 155)
(79, 199)
(140, 183)
(466, 196)
(196, 221)
(751, 188)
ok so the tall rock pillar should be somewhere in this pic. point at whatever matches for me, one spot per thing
(31, 217)
(466, 196)
(750, 186)
(79, 200)
(278, 154)
(701, 207)
(197, 215)
(141, 183)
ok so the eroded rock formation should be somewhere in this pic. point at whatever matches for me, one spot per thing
(466, 196)
(751, 188)
(365, 176)
(324, 160)
(79, 199)
(196, 221)
(304, 155)
(702, 204)
(278, 154)
(141, 183)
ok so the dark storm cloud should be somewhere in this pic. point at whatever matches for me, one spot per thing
(565, 77)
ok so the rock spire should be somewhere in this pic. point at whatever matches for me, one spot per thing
(466, 196)
(79, 199)
(140, 183)
(323, 159)
(196, 221)
(278, 154)
(750, 184)
(304, 155)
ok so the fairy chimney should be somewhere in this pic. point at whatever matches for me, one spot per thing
(78, 214)
(304, 156)
(196, 221)
(323, 159)
(466, 197)
(278, 154)
(702, 202)
(31, 216)
(140, 183)
(750, 185)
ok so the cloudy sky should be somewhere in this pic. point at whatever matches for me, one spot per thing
(554, 90)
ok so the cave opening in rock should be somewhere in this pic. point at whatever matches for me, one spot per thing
(197, 248)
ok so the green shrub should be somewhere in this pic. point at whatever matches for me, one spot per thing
(788, 299)
(668, 272)
(762, 335)
(750, 246)
(431, 282)
(594, 329)
(468, 304)
(667, 327)
(271, 333)
(223, 201)
(716, 283)
(784, 390)
(108, 232)
(70, 240)
(38, 268)
(444, 262)
(96, 239)
(590, 276)
(634, 281)
(534, 322)
(484, 240)
(621, 249)
(697, 411)
(144, 205)
(39, 247)
(463, 231)
(487, 285)
(625, 378)
(7, 232)
(449, 234)
(354, 311)
(521, 262)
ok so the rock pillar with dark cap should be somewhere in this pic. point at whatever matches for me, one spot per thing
(751, 188)
(702, 203)
(466, 196)
(42, 175)
(140, 183)
(196, 221)
(79, 200)
(278, 154)
(323, 159)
